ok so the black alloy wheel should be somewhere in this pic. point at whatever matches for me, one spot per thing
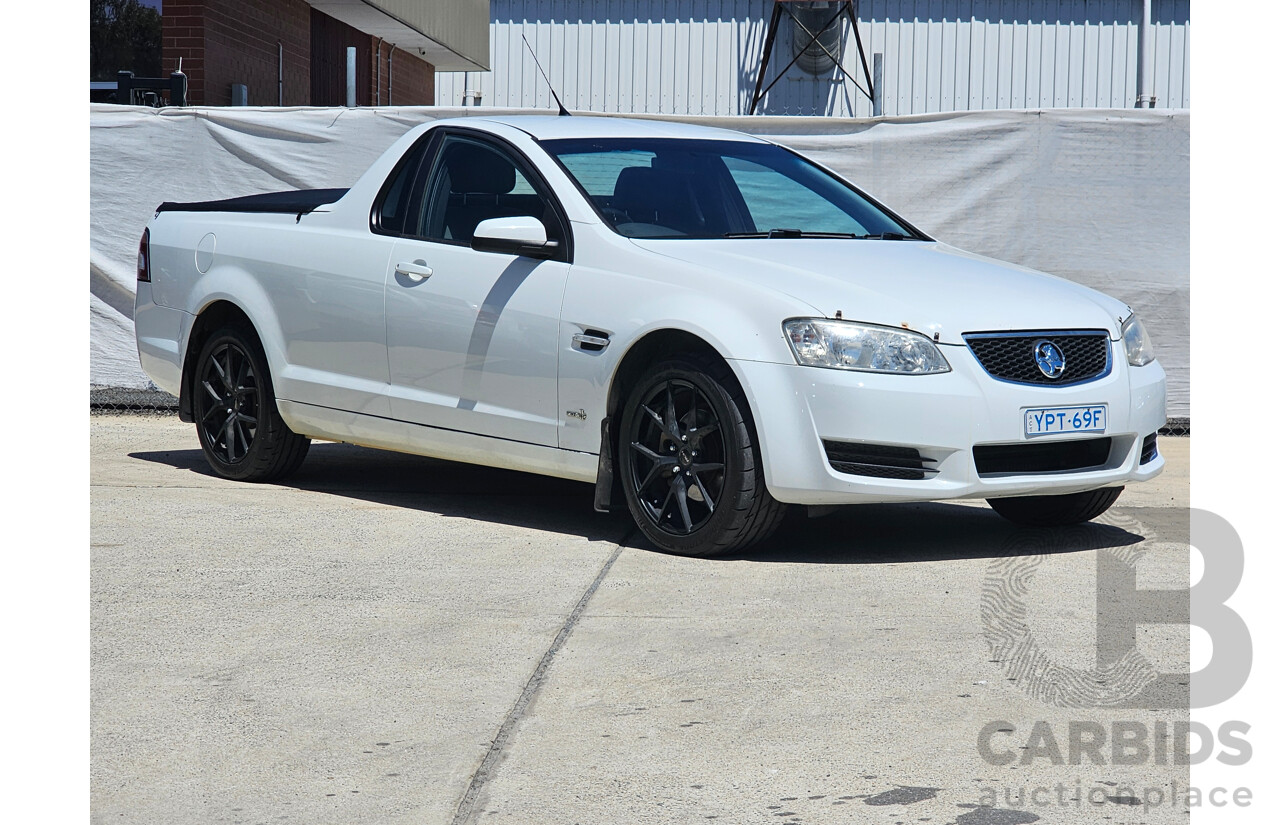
(230, 394)
(678, 467)
(689, 464)
(240, 428)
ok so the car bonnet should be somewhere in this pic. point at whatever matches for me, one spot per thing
(925, 286)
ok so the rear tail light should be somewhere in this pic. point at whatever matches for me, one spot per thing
(144, 257)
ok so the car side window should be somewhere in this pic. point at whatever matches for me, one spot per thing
(394, 205)
(472, 181)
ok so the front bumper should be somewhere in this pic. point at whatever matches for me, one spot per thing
(944, 417)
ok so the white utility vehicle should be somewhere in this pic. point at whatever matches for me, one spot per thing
(704, 324)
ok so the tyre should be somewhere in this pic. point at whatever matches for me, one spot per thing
(1055, 511)
(689, 464)
(241, 431)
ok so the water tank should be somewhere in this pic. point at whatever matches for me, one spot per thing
(813, 16)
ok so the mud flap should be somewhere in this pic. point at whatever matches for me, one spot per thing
(185, 412)
(605, 498)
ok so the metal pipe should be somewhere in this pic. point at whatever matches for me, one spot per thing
(280, 72)
(351, 77)
(877, 84)
(390, 65)
(377, 84)
(1146, 60)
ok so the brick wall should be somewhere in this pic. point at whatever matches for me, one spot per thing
(330, 39)
(222, 42)
(385, 75)
(242, 45)
(182, 32)
(412, 80)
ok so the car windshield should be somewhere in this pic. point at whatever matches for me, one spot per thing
(680, 188)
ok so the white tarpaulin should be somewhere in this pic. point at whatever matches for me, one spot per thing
(1099, 196)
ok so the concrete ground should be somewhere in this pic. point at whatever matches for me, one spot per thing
(386, 638)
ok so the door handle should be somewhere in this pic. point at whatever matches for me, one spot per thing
(418, 271)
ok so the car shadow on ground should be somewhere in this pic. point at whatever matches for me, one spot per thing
(923, 532)
(430, 485)
(859, 534)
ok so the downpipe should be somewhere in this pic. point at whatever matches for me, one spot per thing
(1146, 60)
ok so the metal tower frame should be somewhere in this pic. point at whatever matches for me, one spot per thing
(847, 8)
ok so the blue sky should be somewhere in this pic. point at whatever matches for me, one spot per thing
(155, 4)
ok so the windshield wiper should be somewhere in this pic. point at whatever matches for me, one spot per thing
(885, 236)
(798, 233)
(789, 233)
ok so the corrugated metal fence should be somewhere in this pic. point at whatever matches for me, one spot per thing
(700, 57)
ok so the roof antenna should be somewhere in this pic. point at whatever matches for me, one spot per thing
(563, 111)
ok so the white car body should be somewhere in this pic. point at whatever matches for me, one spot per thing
(479, 363)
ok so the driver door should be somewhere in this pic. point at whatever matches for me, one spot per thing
(472, 336)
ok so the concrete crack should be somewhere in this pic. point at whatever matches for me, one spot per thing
(467, 808)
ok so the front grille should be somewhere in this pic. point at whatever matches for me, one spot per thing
(1041, 457)
(1010, 356)
(1149, 451)
(877, 460)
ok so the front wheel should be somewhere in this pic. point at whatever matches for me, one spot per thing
(1056, 511)
(241, 431)
(691, 472)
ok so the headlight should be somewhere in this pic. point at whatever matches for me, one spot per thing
(1137, 344)
(848, 346)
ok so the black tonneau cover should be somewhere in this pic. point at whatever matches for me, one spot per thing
(298, 202)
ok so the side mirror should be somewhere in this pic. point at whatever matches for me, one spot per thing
(522, 235)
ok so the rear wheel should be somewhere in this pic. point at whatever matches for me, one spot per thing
(240, 429)
(1054, 511)
(690, 469)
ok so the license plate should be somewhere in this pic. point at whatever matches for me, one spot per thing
(1055, 420)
